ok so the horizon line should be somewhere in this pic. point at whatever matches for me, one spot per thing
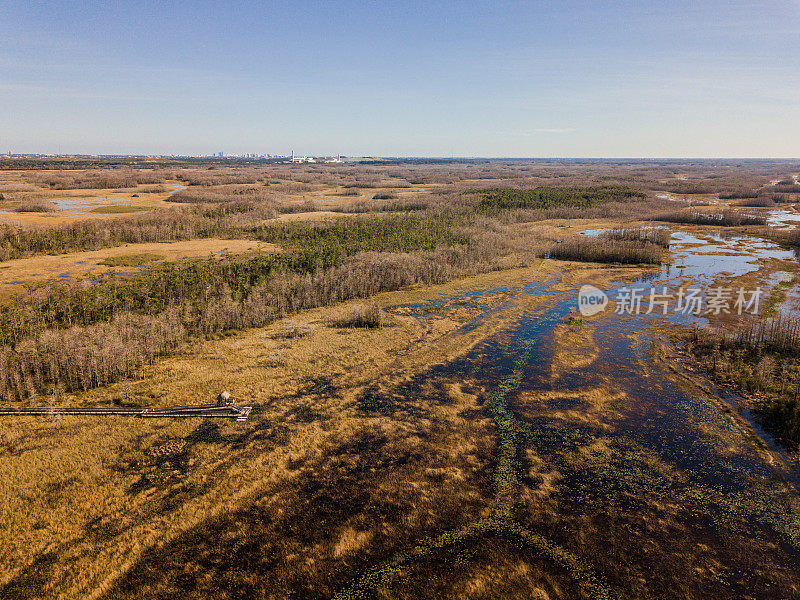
(210, 156)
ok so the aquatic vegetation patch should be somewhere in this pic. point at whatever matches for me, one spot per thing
(131, 260)
(118, 209)
(510, 432)
(372, 400)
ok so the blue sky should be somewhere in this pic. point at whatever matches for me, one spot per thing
(566, 78)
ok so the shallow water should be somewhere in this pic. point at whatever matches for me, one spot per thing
(83, 206)
(661, 443)
(667, 196)
(709, 257)
(783, 219)
(76, 206)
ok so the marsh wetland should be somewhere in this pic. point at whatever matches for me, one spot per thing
(433, 415)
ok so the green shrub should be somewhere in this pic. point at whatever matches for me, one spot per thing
(550, 197)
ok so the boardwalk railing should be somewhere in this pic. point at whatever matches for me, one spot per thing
(230, 411)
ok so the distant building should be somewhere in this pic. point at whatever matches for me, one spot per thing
(301, 159)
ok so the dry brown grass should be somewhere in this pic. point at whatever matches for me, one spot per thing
(100, 178)
(35, 206)
(606, 251)
(77, 264)
(725, 218)
(106, 523)
(362, 315)
(359, 445)
(763, 202)
(655, 235)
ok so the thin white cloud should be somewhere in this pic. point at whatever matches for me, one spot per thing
(530, 132)
(554, 130)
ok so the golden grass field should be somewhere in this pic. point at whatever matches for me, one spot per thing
(80, 264)
(82, 203)
(104, 203)
(104, 460)
(364, 446)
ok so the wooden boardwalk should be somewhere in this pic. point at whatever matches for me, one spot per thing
(220, 411)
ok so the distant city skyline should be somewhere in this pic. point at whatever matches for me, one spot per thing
(243, 155)
(439, 79)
